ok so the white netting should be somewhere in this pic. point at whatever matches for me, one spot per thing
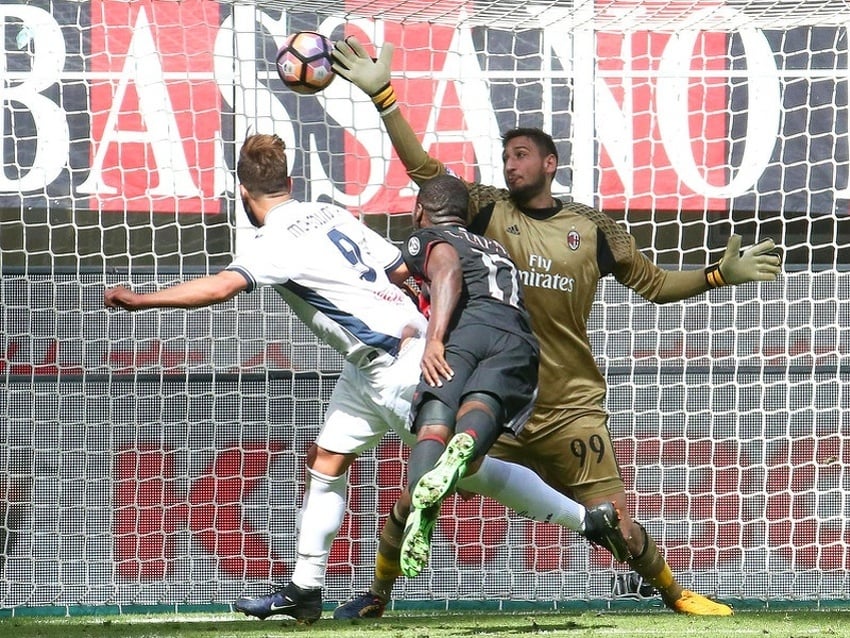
(156, 458)
(616, 15)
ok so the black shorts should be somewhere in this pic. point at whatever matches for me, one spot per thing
(489, 360)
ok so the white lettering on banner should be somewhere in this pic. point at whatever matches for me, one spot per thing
(144, 68)
(256, 108)
(762, 130)
(461, 61)
(223, 179)
(353, 111)
(582, 53)
(616, 136)
(605, 119)
(52, 135)
(844, 193)
(614, 126)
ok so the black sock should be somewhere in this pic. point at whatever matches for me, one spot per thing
(423, 456)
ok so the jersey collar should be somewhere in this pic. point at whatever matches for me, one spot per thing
(543, 213)
(277, 207)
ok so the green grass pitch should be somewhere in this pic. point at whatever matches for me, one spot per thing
(761, 624)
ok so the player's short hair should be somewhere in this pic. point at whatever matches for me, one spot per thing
(542, 140)
(262, 167)
(445, 199)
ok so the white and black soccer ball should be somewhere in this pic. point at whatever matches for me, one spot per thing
(304, 62)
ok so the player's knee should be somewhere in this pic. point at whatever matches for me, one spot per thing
(639, 540)
(312, 453)
(434, 412)
(481, 401)
(329, 463)
(334, 481)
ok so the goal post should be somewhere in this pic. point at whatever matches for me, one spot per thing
(156, 458)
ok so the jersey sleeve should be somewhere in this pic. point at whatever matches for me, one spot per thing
(415, 252)
(419, 165)
(260, 263)
(480, 195)
(386, 254)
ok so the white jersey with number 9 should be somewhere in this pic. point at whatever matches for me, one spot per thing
(331, 270)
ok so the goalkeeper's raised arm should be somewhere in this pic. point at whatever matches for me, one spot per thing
(372, 76)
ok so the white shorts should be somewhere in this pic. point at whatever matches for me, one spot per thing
(366, 404)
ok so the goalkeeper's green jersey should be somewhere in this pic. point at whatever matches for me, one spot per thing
(561, 253)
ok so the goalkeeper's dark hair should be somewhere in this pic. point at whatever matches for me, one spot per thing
(542, 140)
(445, 200)
(262, 168)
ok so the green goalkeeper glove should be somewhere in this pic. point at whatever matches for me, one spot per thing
(351, 61)
(756, 263)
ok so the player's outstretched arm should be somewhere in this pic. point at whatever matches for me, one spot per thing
(190, 294)
(756, 263)
(352, 62)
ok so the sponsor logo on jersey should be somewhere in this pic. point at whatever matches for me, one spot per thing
(573, 239)
(513, 229)
(549, 281)
(392, 294)
(413, 246)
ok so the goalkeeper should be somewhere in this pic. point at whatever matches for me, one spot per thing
(566, 440)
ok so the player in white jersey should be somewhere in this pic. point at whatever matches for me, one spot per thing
(339, 277)
(357, 310)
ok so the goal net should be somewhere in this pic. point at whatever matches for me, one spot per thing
(156, 458)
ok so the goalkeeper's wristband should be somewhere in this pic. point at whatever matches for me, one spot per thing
(713, 276)
(384, 97)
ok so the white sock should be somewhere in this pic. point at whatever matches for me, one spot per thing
(320, 518)
(523, 491)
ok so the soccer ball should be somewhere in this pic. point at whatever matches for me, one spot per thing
(304, 62)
